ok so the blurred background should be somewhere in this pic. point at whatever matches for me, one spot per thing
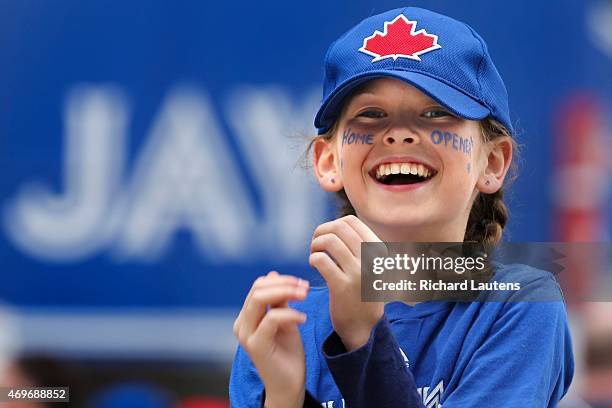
(151, 170)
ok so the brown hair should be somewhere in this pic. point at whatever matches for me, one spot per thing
(488, 216)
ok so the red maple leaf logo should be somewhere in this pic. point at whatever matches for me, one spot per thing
(399, 39)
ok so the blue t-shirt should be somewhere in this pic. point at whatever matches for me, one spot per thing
(513, 352)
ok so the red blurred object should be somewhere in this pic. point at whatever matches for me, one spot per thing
(203, 402)
(580, 184)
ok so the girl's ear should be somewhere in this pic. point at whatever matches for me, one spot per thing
(325, 157)
(499, 157)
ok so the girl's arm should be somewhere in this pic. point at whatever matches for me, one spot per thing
(374, 375)
(362, 353)
(246, 389)
(267, 329)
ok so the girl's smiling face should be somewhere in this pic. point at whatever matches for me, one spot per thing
(387, 132)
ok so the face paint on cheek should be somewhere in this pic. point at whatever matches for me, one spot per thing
(452, 141)
(469, 167)
(349, 137)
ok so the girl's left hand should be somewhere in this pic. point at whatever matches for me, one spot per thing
(335, 252)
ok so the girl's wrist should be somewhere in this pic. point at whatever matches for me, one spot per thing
(356, 339)
(284, 400)
(357, 336)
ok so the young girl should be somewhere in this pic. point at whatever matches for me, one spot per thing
(415, 137)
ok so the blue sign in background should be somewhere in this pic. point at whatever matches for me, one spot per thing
(150, 151)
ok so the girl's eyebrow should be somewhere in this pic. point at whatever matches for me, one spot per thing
(357, 99)
(364, 94)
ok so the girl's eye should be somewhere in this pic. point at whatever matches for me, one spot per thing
(436, 113)
(372, 113)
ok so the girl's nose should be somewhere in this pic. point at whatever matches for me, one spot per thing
(397, 139)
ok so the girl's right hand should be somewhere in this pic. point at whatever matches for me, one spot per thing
(267, 329)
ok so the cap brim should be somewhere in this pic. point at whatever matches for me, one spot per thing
(451, 98)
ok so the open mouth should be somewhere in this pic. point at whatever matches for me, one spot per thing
(402, 173)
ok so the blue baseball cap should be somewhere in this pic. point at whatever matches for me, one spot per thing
(444, 58)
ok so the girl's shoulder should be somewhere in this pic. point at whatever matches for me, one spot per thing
(523, 283)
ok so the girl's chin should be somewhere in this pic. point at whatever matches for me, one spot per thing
(399, 220)
(402, 226)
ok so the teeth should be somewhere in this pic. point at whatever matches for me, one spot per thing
(402, 168)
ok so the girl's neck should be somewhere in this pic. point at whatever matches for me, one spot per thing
(429, 233)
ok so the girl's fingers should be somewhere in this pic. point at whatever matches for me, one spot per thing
(364, 232)
(336, 248)
(274, 295)
(271, 279)
(255, 310)
(273, 320)
(344, 231)
(332, 274)
(266, 295)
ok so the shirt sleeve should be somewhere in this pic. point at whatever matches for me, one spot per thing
(526, 360)
(374, 375)
(246, 389)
